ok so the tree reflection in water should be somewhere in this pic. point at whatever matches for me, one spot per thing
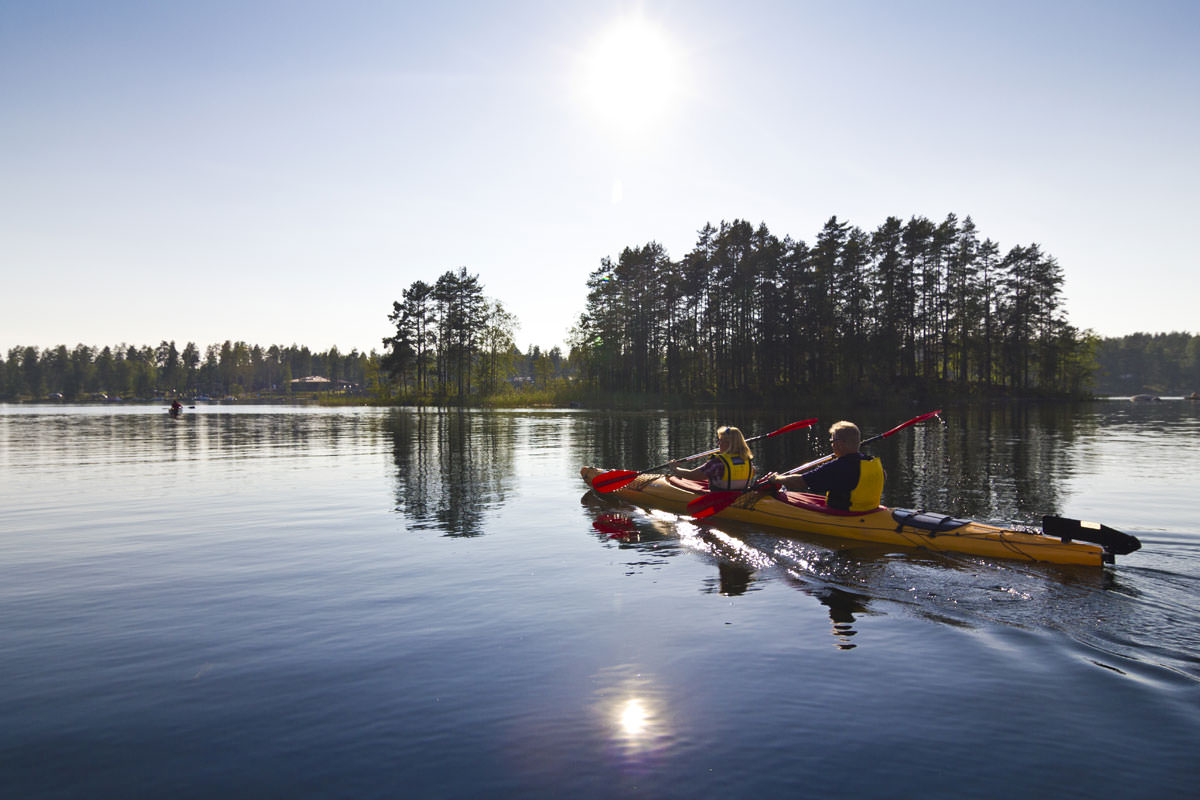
(994, 463)
(452, 466)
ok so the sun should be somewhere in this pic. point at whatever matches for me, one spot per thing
(630, 74)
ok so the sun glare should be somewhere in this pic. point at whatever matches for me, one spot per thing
(630, 74)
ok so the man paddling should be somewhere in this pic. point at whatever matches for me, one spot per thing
(851, 481)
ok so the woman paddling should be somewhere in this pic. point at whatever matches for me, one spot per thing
(730, 469)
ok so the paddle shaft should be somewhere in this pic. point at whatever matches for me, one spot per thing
(793, 426)
(875, 438)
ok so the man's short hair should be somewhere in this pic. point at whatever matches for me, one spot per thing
(846, 432)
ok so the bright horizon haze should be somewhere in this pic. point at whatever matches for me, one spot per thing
(279, 172)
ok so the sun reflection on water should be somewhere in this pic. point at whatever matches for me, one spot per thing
(637, 725)
(634, 719)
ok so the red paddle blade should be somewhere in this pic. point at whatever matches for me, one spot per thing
(801, 424)
(712, 503)
(613, 480)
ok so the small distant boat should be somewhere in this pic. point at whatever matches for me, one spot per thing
(1194, 396)
(1145, 398)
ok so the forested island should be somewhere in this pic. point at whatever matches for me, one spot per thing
(910, 305)
(914, 307)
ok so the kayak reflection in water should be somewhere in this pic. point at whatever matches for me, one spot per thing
(732, 468)
(851, 481)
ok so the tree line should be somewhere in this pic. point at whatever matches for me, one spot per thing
(233, 369)
(129, 371)
(1159, 363)
(748, 314)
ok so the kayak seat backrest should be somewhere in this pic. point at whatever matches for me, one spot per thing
(816, 502)
(927, 521)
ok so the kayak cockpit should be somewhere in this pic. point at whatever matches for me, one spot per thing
(815, 502)
(803, 500)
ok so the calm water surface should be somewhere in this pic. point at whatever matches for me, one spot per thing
(280, 602)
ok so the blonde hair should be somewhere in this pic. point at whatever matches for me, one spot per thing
(737, 441)
(846, 432)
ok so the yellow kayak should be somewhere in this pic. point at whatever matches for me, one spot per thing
(1062, 541)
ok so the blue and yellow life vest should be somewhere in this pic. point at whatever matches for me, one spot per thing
(737, 474)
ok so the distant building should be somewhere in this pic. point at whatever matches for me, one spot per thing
(317, 383)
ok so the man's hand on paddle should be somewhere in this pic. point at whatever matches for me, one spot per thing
(795, 482)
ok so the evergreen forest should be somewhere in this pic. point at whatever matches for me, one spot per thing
(910, 305)
(452, 344)
(1148, 363)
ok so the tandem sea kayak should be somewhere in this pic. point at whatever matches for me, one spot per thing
(1061, 540)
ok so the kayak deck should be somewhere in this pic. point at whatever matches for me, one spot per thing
(807, 513)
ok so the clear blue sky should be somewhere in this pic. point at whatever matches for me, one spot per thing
(279, 172)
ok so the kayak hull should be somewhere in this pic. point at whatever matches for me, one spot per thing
(807, 513)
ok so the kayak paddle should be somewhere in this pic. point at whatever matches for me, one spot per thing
(615, 479)
(715, 502)
(884, 435)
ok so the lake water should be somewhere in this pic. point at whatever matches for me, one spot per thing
(278, 602)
